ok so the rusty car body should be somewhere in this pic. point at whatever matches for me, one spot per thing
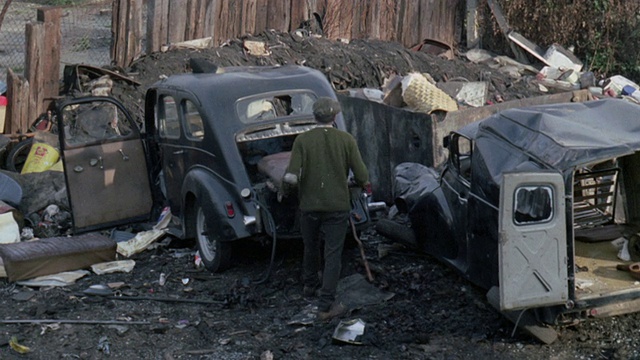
(213, 148)
(527, 206)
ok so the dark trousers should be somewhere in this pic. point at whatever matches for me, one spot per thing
(330, 228)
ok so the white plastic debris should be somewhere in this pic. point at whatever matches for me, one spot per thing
(140, 242)
(124, 266)
(348, 331)
(9, 230)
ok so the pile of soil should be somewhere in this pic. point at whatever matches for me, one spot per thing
(166, 308)
(352, 65)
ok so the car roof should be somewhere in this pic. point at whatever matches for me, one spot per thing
(241, 81)
(567, 134)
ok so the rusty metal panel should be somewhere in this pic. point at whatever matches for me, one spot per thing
(387, 136)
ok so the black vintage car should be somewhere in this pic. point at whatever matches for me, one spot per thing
(214, 148)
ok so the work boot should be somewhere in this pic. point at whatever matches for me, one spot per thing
(336, 309)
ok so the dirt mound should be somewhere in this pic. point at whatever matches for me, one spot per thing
(352, 65)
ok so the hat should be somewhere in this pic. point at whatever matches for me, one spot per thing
(325, 109)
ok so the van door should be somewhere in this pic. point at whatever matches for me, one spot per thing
(533, 245)
(104, 163)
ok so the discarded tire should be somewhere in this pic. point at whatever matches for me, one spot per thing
(18, 155)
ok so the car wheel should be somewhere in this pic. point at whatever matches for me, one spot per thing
(215, 254)
(18, 155)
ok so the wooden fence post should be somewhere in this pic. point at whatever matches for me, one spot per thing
(34, 68)
(17, 117)
(51, 51)
(126, 29)
(157, 14)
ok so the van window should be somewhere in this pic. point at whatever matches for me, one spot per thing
(167, 117)
(533, 205)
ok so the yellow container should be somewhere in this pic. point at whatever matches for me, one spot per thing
(41, 157)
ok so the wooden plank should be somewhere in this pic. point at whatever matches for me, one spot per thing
(119, 29)
(235, 18)
(261, 15)
(177, 21)
(387, 20)
(211, 19)
(34, 66)
(505, 29)
(300, 12)
(50, 17)
(473, 39)
(360, 18)
(189, 30)
(157, 15)
(248, 17)
(134, 33)
(279, 15)
(338, 19)
(408, 29)
(201, 12)
(18, 106)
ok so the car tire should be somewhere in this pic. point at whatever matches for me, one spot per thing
(17, 157)
(215, 254)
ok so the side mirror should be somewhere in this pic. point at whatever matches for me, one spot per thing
(445, 141)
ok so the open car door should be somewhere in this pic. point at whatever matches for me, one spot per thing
(104, 164)
(533, 244)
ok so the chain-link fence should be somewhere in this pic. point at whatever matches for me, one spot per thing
(85, 27)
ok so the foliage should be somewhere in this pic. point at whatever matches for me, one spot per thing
(603, 33)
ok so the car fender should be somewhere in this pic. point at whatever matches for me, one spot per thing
(418, 193)
(212, 191)
(412, 181)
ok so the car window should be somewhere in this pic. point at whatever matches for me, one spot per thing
(533, 205)
(94, 121)
(168, 118)
(269, 106)
(194, 125)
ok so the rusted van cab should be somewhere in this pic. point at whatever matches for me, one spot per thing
(531, 204)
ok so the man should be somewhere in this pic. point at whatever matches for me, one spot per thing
(320, 162)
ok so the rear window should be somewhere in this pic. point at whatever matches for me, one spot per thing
(533, 205)
(270, 106)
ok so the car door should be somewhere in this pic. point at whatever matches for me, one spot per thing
(532, 245)
(104, 163)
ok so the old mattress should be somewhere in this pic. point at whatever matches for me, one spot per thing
(26, 260)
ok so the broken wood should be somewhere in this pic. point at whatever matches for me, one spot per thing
(17, 117)
(50, 18)
(362, 254)
(505, 29)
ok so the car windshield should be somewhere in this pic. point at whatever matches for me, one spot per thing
(264, 107)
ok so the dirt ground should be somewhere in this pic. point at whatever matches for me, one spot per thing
(415, 307)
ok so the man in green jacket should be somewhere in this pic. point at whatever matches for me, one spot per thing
(320, 162)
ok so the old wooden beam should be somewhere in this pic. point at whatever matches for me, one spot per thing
(279, 15)
(50, 74)
(157, 15)
(177, 20)
(473, 40)
(261, 15)
(18, 106)
(248, 18)
(505, 29)
(34, 66)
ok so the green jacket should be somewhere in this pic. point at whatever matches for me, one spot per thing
(321, 159)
